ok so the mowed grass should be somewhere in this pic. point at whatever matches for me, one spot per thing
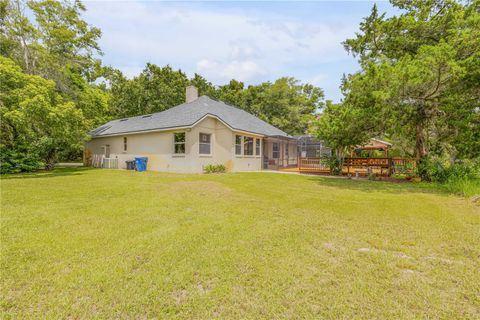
(85, 243)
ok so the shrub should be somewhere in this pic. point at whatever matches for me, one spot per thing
(438, 171)
(404, 170)
(461, 177)
(333, 164)
(214, 168)
(19, 159)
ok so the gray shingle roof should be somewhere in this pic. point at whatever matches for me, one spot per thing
(186, 115)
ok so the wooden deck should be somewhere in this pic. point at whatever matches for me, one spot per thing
(367, 166)
(357, 166)
(292, 169)
(312, 165)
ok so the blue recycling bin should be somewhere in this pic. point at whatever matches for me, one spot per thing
(141, 163)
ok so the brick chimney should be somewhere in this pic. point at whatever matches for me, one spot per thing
(191, 93)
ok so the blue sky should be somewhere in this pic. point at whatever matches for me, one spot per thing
(248, 41)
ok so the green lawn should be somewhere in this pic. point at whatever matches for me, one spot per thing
(84, 243)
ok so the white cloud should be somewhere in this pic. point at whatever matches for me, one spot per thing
(318, 80)
(239, 70)
(131, 71)
(243, 49)
(221, 45)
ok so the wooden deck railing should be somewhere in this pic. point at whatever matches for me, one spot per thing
(367, 166)
(382, 166)
(405, 162)
(367, 162)
(404, 165)
(312, 165)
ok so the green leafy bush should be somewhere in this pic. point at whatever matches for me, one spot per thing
(439, 171)
(37, 122)
(214, 168)
(462, 177)
(372, 176)
(333, 164)
(404, 170)
(19, 159)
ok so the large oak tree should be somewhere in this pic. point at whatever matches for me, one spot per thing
(419, 78)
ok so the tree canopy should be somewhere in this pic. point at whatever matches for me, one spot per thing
(418, 84)
(419, 78)
(49, 99)
(37, 122)
(285, 103)
(55, 88)
(155, 89)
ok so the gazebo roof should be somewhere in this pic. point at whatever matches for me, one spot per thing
(375, 144)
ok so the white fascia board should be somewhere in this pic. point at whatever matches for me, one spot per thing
(228, 126)
(172, 129)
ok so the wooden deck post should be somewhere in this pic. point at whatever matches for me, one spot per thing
(389, 172)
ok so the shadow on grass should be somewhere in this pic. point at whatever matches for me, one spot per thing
(57, 172)
(379, 186)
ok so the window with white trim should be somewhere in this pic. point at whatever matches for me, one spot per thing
(204, 143)
(248, 146)
(179, 143)
(257, 146)
(238, 145)
(125, 144)
(275, 150)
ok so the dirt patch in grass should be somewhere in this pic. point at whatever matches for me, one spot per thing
(408, 271)
(180, 296)
(476, 201)
(203, 289)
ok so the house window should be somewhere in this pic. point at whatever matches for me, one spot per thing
(257, 147)
(179, 142)
(124, 143)
(286, 151)
(276, 150)
(204, 144)
(248, 146)
(238, 145)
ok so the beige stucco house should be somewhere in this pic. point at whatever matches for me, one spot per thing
(189, 136)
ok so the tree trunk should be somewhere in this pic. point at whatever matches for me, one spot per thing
(340, 155)
(50, 160)
(421, 152)
(24, 46)
(420, 142)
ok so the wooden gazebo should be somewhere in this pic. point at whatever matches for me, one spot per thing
(371, 164)
(374, 144)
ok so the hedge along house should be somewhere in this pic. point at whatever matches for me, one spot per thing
(189, 136)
